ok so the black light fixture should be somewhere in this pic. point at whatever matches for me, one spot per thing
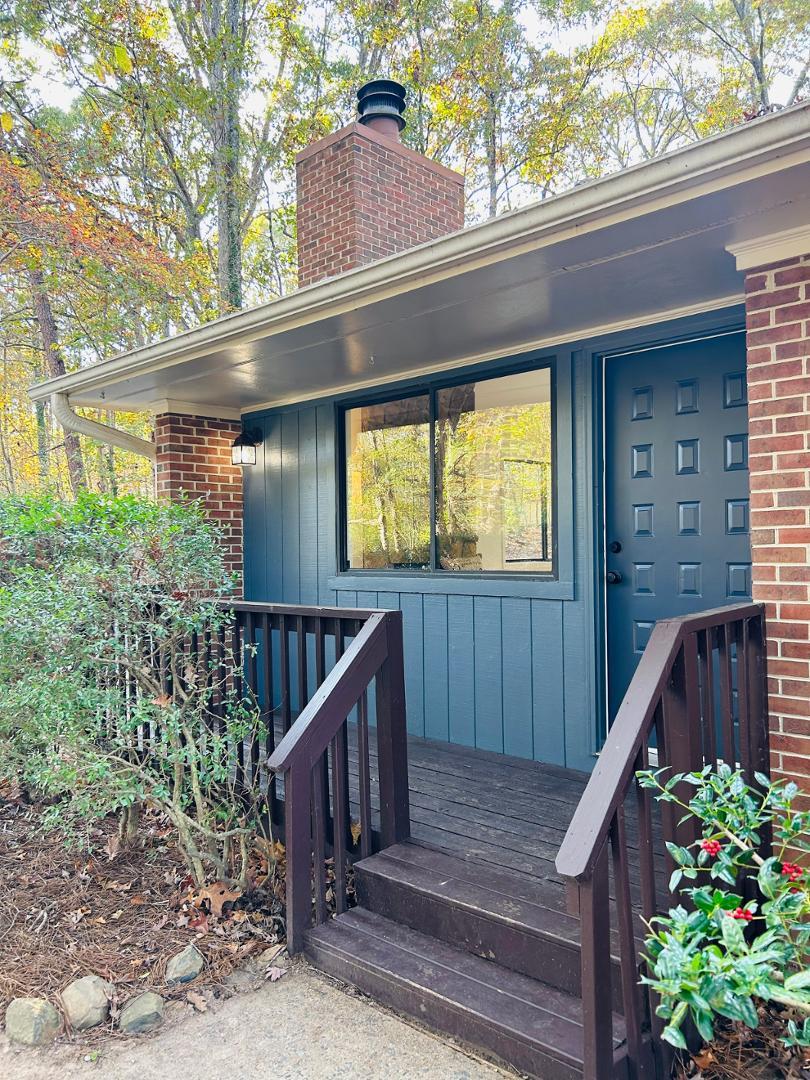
(243, 448)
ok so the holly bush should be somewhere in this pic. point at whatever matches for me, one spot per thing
(103, 707)
(743, 933)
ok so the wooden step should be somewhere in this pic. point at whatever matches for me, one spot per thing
(492, 913)
(514, 1020)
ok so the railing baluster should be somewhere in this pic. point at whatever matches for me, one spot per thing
(301, 662)
(239, 748)
(252, 661)
(364, 776)
(681, 702)
(646, 851)
(706, 661)
(757, 695)
(726, 697)
(340, 793)
(267, 685)
(319, 839)
(597, 1021)
(286, 687)
(743, 719)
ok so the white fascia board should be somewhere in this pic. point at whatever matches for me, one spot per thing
(754, 149)
(771, 247)
(189, 408)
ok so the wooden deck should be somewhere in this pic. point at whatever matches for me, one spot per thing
(506, 813)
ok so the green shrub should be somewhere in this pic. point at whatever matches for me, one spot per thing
(719, 954)
(103, 708)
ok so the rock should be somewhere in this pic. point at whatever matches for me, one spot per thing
(32, 1021)
(185, 966)
(87, 1002)
(142, 1013)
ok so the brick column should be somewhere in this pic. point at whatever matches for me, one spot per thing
(778, 340)
(194, 461)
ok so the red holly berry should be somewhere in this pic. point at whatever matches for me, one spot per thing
(791, 871)
(741, 913)
(712, 847)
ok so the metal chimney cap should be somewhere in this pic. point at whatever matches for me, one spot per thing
(381, 99)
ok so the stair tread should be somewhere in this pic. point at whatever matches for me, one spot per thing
(508, 897)
(530, 1012)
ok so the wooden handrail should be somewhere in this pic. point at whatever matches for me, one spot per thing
(683, 694)
(307, 611)
(607, 786)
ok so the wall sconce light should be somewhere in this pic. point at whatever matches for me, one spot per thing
(243, 448)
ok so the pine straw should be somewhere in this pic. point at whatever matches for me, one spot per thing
(65, 914)
(738, 1053)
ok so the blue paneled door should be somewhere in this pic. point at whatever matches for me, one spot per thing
(677, 494)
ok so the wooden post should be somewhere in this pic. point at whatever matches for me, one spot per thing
(597, 1009)
(298, 834)
(392, 738)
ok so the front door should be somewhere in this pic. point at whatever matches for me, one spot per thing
(676, 498)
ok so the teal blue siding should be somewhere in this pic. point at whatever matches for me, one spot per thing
(511, 664)
(484, 657)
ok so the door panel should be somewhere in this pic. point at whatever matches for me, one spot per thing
(676, 498)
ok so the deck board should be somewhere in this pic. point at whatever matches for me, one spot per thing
(492, 810)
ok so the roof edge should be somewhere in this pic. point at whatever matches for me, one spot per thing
(769, 138)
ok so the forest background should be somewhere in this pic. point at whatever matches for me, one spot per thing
(147, 150)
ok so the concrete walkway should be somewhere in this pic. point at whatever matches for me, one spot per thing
(300, 1028)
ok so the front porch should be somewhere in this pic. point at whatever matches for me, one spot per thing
(498, 899)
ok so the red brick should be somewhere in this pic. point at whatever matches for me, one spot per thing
(800, 612)
(786, 332)
(772, 299)
(194, 460)
(790, 276)
(362, 196)
(797, 650)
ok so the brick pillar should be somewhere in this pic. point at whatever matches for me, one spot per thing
(778, 341)
(194, 461)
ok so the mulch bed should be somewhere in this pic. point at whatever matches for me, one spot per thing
(120, 914)
(738, 1053)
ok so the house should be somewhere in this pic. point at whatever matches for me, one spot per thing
(545, 440)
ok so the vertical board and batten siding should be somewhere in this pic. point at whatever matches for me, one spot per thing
(513, 672)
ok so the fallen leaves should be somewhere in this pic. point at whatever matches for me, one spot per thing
(275, 973)
(218, 895)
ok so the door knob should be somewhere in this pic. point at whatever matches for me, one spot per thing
(613, 577)
(615, 546)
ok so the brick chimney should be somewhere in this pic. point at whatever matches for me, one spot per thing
(363, 195)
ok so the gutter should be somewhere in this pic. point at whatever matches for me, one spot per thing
(672, 177)
(71, 421)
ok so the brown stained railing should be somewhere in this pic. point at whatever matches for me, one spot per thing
(312, 757)
(680, 706)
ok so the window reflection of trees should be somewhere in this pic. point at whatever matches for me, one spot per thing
(492, 478)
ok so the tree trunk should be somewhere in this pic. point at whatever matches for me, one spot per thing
(491, 138)
(226, 87)
(43, 462)
(55, 366)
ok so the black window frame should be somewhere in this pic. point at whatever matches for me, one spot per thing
(431, 386)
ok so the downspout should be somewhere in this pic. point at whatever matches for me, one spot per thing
(71, 421)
